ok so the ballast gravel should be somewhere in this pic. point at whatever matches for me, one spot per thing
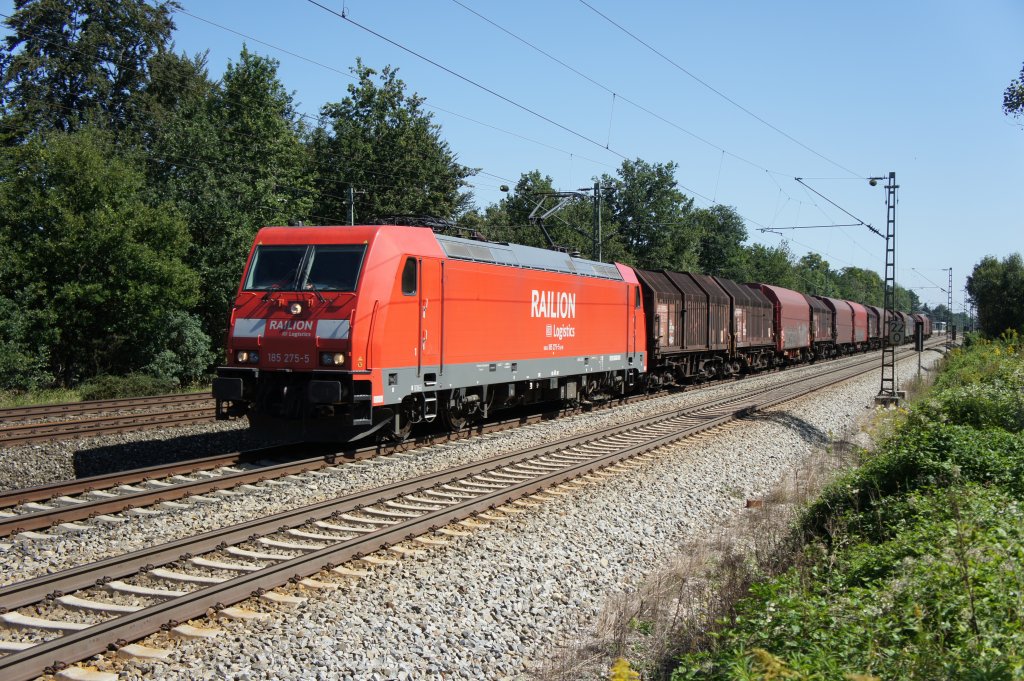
(495, 603)
(37, 464)
(28, 558)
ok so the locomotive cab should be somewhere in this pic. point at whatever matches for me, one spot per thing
(338, 333)
(298, 338)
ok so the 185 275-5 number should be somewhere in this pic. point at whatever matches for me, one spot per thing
(288, 358)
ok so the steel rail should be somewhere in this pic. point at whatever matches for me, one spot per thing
(71, 579)
(79, 645)
(65, 512)
(41, 519)
(50, 490)
(98, 406)
(39, 431)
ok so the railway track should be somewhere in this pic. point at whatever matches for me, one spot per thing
(62, 504)
(25, 425)
(67, 616)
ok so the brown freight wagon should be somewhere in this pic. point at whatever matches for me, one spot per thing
(822, 327)
(664, 305)
(874, 326)
(753, 337)
(842, 324)
(792, 318)
(717, 323)
(860, 325)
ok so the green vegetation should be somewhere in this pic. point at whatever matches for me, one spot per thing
(116, 387)
(913, 566)
(1013, 97)
(997, 288)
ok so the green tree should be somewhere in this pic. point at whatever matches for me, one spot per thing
(861, 285)
(1013, 97)
(997, 289)
(381, 143)
(652, 216)
(98, 259)
(770, 265)
(906, 300)
(180, 351)
(814, 276)
(720, 246)
(67, 62)
(232, 158)
(28, 327)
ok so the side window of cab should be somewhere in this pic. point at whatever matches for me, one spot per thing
(409, 278)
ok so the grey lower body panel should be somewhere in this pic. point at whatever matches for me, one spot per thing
(401, 381)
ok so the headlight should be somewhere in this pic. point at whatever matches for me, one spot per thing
(247, 356)
(332, 358)
(296, 308)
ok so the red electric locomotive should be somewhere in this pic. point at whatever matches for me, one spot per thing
(350, 331)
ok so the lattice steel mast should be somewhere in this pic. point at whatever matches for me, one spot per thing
(949, 311)
(892, 325)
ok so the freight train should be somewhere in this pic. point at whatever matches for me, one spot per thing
(340, 333)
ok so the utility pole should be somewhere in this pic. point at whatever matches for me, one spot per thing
(538, 215)
(970, 311)
(352, 204)
(893, 330)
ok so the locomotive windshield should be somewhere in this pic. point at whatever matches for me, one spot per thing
(305, 268)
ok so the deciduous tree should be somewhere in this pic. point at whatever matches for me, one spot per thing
(1013, 97)
(98, 259)
(652, 216)
(382, 144)
(997, 289)
(231, 157)
(770, 265)
(67, 62)
(721, 234)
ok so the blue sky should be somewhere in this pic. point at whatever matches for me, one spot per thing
(865, 88)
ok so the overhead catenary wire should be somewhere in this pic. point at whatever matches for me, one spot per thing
(425, 104)
(616, 94)
(861, 222)
(344, 17)
(842, 229)
(920, 274)
(715, 90)
(510, 101)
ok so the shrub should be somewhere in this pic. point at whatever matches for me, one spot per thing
(946, 604)
(180, 352)
(115, 387)
(928, 454)
(912, 568)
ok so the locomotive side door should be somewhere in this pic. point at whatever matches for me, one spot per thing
(630, 336)
(634, 305)
(431, 308)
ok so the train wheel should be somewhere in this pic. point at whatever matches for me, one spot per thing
(403, 431)
(401, 422)
(459, 411)
(456, 421)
